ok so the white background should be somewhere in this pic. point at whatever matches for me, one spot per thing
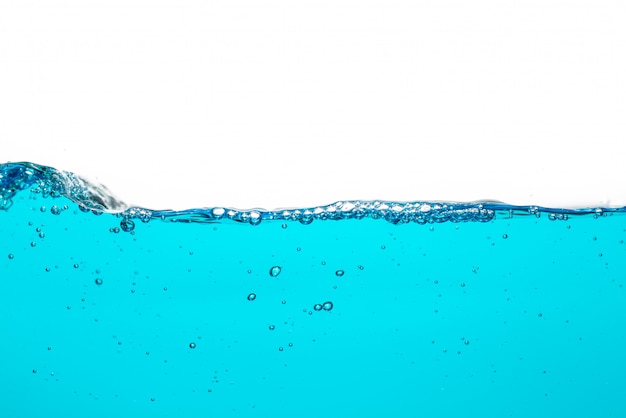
(293, 103)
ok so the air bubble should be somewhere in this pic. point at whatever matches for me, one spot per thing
(76, 265)
(275, 271)
(272, 327)
(284, 226)
(127, 225)
(55, 210)
(361, 267)
(317, 307)
(327, 306)
(42, 209)
(33, 244)
(42, 235)
(11, 256)
(251, 296)
(339, 273)
(192, 345)
(255, 218)
(505, 236)
(98, 281)
(280, 349)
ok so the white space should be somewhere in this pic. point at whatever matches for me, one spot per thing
(178, 104)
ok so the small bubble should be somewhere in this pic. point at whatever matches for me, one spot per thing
(55, 210)
(98, 281)
(280, 349)
(317, 307)
(436, 281)
(43, 208)
(327, 306)
(252, 296)
(323, 263)
(11, 256)
(361, 267)
(165, 289)
(34, 370)
(275, 271)
(152, 399)
(192, 345)
(284, 226)
(339, 273)
(33, 244)
(68, 307)
(42, 235)
(382, 247)
(48, 269)
(249, 271)
(466, 342)
(539, 314)
(210, 390)
(272, 327)
(505, 236)
(76, 265)
(283, 301)
(290, 344)
(298, 249)
(462, 284)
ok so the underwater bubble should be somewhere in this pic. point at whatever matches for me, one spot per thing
(275, 271)
(327, 306)
(76, 265)
(11, 256)
(539, 314)
(280, 349)
(466, 342)
(192, 345)
(43, 208)
(255, 217)
(55, 210)
(284, 226)
(42, 235)
(505, 236)
(272, 327)
(33, 244)
(290, 344)
(34, 370)
(98, 281)
(252, 296)
(361, 267)
(318, 307)
(339, 273)
(127, 225)
(283, 301)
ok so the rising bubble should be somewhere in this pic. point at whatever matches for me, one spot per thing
(275, 271)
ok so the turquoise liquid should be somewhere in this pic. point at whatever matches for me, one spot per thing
(364, 309)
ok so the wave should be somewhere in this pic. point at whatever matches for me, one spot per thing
(51, 182)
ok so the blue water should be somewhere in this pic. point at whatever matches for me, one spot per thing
(364, 309)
